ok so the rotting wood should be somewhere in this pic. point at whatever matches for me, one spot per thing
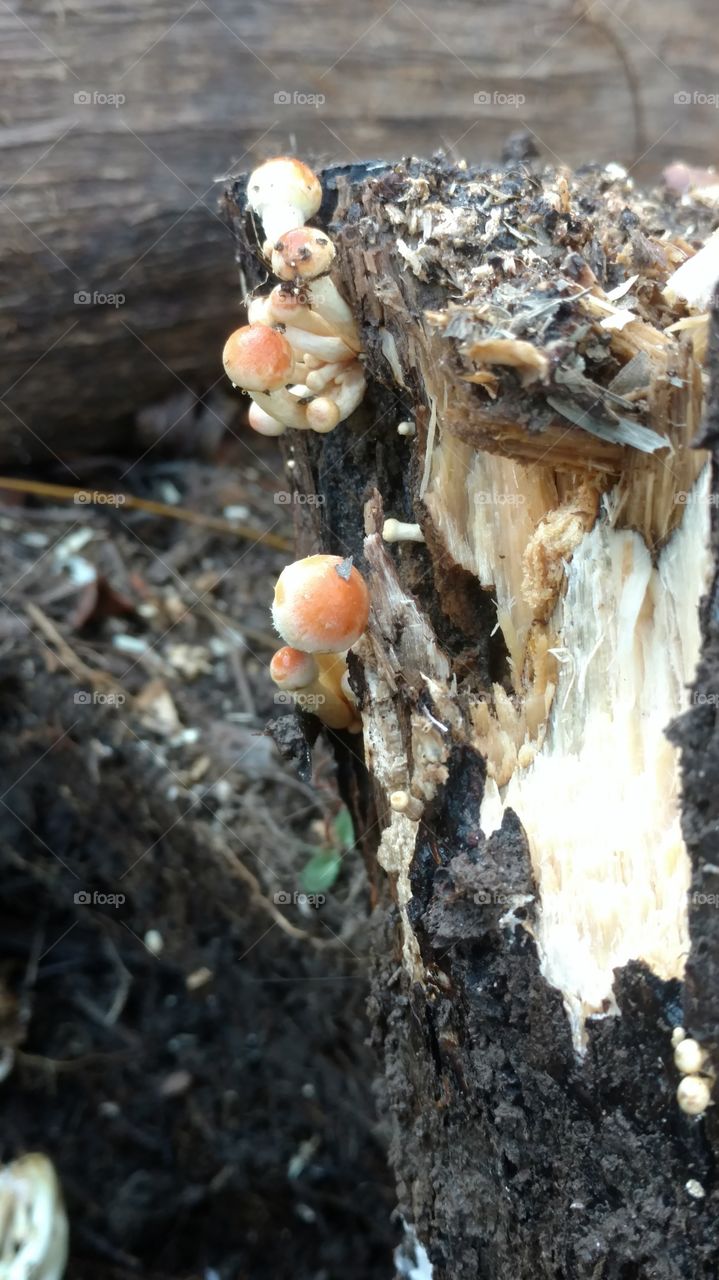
(527, 1045)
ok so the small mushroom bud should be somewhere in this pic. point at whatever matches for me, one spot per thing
(689, 1057)
(292, 669)
(316, 684)
(347, 393)
(258, 358)
(284, 193)
(302, 254)
(694, 1095)
(33, 1223)
(263, 423)
(323, 415)
(321, 604)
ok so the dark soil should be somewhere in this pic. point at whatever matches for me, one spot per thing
(192, 1057)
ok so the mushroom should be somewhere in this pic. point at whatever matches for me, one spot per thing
(287, 305)
(302, 254)
(694, 1095)
(323, 297)
(326, 349)
(316, 684)
(321, 604)
(689, 1057)
(292, 669)
(348, 390)
(400, 531)
(284, 193)
(33, 1222)
(318, 379)
(260, 360)
(263, 423)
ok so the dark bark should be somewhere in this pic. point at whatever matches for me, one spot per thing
(513, 1156)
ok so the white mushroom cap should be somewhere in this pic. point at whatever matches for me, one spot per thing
(284, 193)
(694, 1095)
(689, 1057)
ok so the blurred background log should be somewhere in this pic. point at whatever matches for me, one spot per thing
(118, 119)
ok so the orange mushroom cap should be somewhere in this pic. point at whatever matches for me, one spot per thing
(321, 604)
(302, 254)
(258, 358)
(292, 669)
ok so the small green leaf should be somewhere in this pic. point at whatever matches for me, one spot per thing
(342, 830)
(321, 871)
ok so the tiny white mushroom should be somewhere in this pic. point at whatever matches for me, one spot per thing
(263, 423)
(689, 1057)
(406, 429)
(678, 1035)
(348, 390)
(694, 1095)
(400, 531)
(283, 193)
(403, 802)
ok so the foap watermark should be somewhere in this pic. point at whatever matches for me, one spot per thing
(698, 899)
(86, 498)
(283, 898)
(305, 701)
(93, 698)
(685, 98)
(687, 497)
(95, 98)
(499, 498)
(501, 898)
(298, 98)
(285, 499)
(85, 898)
(497, 99)
(85, 298)
(705, 699)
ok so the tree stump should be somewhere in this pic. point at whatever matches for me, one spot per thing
(545, 923)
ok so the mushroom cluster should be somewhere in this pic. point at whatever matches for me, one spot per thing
(320, 609)
(299, 355)
(691, 1060)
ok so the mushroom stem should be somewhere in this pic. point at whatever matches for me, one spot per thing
(324, 298)
(304, 342)
(287, 306)
(400, 531)
(318, 379)
(348, 391)
(283, 407)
